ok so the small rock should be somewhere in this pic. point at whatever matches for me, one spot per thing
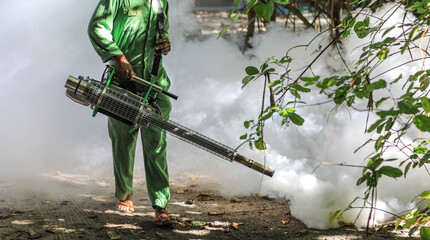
(189, 201)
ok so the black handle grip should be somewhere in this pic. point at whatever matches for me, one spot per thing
(170, 94)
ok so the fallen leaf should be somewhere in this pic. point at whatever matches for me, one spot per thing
(304, 231)
(54, 230)
(33, 234)
(205, 227)
(204, 195)
(182, 191)
(194, 177)
(236, 224)
(196, 224)
(207, 198)
(236, 200)
(160, 234)
(113, 235)
(215, 213)
(285, 221)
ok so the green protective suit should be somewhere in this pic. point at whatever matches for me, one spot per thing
(129, 27)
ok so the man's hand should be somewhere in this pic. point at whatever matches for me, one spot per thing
(123, 68)
(163, 44)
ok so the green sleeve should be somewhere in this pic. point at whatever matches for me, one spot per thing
(166, 23)
(100, 29)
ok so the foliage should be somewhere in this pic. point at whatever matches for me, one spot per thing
(396, 115)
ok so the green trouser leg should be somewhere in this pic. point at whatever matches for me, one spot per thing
(154, 150)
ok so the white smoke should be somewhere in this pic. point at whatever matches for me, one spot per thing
(42, 131)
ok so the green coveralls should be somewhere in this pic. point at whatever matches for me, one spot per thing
(129, 27)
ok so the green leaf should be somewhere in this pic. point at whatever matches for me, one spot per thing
(222, 31)
(266, 116)
(390, 112)
(425, 194)
(377, 85)
(413, 230)
(236, 3)
(250, 70)
(407, 107)
(420, 149)
(389, 124)
(363, 179)
(274, 83)
(425, 233)
(425, 103)
(286, 112)
(282, 2)
(375, 125)
(296, 119)
(259, 144)
(333, 216)
(246, 80)
(310, 79)
(299, 88)
(391, 171)
(387, 31)
(346, 33)
(411, 35)
(247, 124)
(410, 222)
(408, 166)
(422, 122)
(295, 93)
(382, 55)
(378, 143)
(268, 10)
(244, 136)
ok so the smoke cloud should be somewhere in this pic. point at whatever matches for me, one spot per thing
(43, 131)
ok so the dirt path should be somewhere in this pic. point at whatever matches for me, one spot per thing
(69, 206)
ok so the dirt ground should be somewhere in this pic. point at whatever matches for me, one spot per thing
(66, 206)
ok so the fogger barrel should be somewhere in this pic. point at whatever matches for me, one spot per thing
(128, 108)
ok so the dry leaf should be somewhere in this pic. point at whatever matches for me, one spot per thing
(207, 198)
(236, 225)
(215, 213)
(236, 200)
(304, 231)
(182, 191)
(285, 221)
(33, 234)
(204, 195)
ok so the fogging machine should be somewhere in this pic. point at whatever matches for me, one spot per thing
(135, 111)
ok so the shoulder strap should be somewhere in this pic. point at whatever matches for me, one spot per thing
(160, 31)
